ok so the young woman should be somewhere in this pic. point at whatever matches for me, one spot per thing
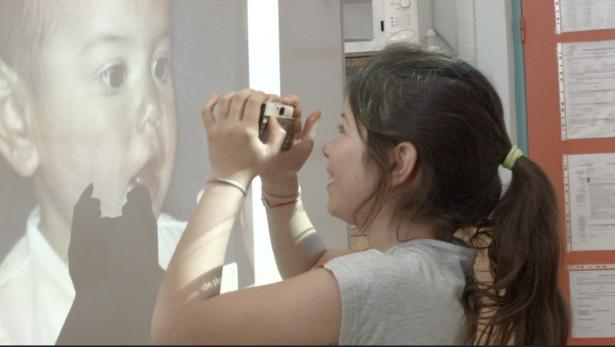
(415, 165)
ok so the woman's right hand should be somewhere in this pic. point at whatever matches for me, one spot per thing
(235, 151)
(280, 176)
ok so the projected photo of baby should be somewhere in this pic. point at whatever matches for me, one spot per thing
(89, 122)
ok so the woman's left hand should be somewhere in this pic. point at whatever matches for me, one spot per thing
(235, 150)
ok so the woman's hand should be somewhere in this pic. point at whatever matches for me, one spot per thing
(235, 151)
(280, 175)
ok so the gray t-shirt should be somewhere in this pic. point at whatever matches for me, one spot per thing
(410, 294)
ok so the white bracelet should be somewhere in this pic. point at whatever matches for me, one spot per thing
(231, 183)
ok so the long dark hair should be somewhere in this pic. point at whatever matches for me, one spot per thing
(453, 116)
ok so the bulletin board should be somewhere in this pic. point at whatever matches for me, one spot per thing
(569, 59)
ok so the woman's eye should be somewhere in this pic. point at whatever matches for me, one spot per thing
(340, 128)
(161, 69)
(114, 76)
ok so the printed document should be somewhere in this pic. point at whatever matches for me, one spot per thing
(590, 201)
(592, 300)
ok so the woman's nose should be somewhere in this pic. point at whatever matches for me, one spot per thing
(325, 150)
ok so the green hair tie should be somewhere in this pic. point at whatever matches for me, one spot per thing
(514, 154)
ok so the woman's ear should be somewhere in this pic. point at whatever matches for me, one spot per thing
(403, 161)
(16, 142)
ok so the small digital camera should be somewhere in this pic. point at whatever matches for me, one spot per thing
(284, 116)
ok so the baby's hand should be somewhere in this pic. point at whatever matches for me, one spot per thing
(113, 250)
(113, 263)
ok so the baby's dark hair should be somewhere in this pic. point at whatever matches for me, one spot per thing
(24, 27)
(453, 116)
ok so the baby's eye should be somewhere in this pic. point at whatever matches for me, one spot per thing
(114, 76)
(340, 128)
(161, 68)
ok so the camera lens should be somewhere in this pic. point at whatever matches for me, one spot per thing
(281, 112)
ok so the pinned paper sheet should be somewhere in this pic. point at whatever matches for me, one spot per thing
(580, 15)
(587, 89)
(592, 300)
(589, 184)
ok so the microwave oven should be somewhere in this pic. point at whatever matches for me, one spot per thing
(369, 25)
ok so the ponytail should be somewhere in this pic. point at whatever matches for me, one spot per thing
(522, 304)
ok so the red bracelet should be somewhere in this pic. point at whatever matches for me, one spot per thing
(268, 205)
(273, 201)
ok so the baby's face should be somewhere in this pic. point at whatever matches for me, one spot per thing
(104, 104)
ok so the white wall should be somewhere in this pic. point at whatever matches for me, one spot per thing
(312, 67)
(296, 48)
(494, 52)
(481, 32)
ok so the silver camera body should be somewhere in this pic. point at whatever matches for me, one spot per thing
(284, 116)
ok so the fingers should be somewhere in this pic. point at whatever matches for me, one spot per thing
(208, 111)
(272, 98)
(238, 102)
(87, 204)
(137, 225)
(276, 134)
(253, 108)
(86, 213)
(138, 202)
(87, 193)
(225, 105)
(245, 106)
(311, 124)
(294, 101)
(232, 106)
